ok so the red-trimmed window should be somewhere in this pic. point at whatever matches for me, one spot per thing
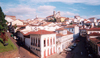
(51, 40)
(38, 42)
(48, 41)
(54, 49)
(44, 43)
(34, 41)
(54, 40)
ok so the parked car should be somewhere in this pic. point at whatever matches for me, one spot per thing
(77, 40)
(74, 44)
(90, 56)
(68, 49)
(71, 47)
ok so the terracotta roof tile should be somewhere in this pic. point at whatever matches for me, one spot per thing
(61, 29)
(40, 32)
(59, 34)
(85, 19)
(94, 40)
(70, 26)
(68, 32)
(94, 34)
(94, 29)
(88, 22)
(92, 18)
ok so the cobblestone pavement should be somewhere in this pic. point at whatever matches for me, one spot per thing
(23, 52)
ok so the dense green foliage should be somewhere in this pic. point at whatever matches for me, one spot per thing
(3, 25)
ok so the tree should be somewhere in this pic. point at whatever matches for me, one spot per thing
(3, 25)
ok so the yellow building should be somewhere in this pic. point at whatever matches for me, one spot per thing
(61, 19)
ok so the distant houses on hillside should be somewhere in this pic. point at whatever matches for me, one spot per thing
(47, 38)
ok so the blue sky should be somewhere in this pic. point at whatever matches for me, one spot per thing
(28, 9)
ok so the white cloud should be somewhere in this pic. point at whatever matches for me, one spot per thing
(74, 9)
(68, 14)
(45, 10)
(97, 16)
(20, 10)
(25, 12)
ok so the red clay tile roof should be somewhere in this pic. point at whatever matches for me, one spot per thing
(59, 34)
(70, 26)
(69, 32)
(61, 29)
(94, 34)
(91, 18)
(98, 44)
(94, 40)
(82, 28)
(88, 22)
(40, 32)
(12, 17)
(93, 29)
(85, 19)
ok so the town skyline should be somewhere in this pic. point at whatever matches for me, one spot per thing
(25, 9)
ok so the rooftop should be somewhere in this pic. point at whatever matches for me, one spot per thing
(40, 32)
(94, 34)
(70, 26)
(93, 29)
(61, 29)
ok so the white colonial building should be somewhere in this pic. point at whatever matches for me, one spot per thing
(42, 42)
(91, 30)
(64, 39)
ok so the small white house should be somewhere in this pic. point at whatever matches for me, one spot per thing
(74, 29)
(42, 42)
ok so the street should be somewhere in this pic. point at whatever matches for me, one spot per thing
(79, 51)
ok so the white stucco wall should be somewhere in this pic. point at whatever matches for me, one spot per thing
(88, 32)
(17, 22)
(42, 48)
(64, 42)
(93, 36)
(46, 36)
(98, 50)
